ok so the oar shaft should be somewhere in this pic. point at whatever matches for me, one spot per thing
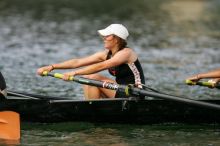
(178, 99)
(135, 91)
(11, 93)
(33, 96)
(86, 81)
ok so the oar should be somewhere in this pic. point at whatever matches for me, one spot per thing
(133, 90)
(205, 84)
(33, 96)
(9, 125)
(16, 94)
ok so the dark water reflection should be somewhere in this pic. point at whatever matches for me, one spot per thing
(173, 39)
(120, 135)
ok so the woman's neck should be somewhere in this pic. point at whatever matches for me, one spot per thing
(114, 50)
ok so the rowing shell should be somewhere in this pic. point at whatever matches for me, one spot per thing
(120, 110)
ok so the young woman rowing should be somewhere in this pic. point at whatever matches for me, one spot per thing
(121, 62)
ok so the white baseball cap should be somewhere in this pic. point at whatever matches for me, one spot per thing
(116, 29)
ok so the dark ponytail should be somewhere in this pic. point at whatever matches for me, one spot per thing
(121, 43)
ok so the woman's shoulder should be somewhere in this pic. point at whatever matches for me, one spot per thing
(132, 55)
(129, 51)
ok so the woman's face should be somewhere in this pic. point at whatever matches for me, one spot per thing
(109, 41)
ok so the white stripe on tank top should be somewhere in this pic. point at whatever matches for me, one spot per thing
(136, 73)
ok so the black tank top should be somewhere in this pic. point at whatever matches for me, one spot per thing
(131, 73)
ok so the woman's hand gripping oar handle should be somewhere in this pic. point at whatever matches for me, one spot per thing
(205, 84)
(57, 75)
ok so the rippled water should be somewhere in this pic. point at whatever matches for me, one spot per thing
(171, 43)
(173, 38)
(87, 134)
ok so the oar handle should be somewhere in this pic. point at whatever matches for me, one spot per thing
(57, 75)
(206, 84)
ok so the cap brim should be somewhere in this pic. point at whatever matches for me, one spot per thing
(104, 32)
